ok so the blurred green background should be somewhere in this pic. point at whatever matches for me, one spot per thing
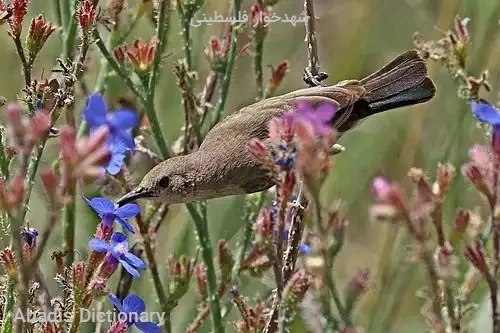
(356, 37)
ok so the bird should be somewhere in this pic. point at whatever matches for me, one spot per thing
(222, 166)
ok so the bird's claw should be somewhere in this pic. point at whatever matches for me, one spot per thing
(314, 80)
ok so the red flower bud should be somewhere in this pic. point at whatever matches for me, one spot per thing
(86, 16)
(40, 30)
(19, 10)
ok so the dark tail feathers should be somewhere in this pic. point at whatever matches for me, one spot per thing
(400, 83)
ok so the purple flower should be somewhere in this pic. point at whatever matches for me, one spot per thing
(319, 117)
(118, 250)
(487, 113)
(109, 212)
(119, 123)
(133, 306)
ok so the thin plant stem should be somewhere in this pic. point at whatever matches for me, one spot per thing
(153, 266)
(161, 37)
(8, 305)
(207, 254)
(226, 79)
(70, 28)
(57, 11)
(65, 14)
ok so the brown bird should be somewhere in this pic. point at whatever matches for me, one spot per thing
(222, 165)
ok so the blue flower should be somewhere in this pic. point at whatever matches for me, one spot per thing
(29, 236)
(485, 113)
(109, 212)
(118, 250)
(119, 123)
(133, 306)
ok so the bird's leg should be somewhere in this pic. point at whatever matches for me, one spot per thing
(314, 80)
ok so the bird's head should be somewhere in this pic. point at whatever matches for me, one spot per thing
(172, 181)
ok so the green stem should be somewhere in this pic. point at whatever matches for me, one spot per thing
(161, 36)
(65, 14)
(30, 177)
(8, 306)
(226, 80)
(207, 254)
(57, 11)
(69, 228)
(249, 219)
(69, 28)
(162, 297)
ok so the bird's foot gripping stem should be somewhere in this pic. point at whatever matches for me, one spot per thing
(314, 80)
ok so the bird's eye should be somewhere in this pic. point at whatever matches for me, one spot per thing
(164, 181)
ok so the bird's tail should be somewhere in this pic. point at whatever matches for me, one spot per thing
(401, 82)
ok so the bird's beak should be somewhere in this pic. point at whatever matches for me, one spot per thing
(137, 193)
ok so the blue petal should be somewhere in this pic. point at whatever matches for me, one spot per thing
(148, 327)
(124, 119)
(116, 302)
(99, 245)
(118, 237)
(131, 270)
(115, 163)
(133, 304)
(128, 210)
(485, 113)
(95, 111)
(125, 224)
(134, 261)
(100, 205)
(305, 249)
(123, 138)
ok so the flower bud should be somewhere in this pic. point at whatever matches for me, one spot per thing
(9, 264)
(297, 287)
(264, 228)
(356, 287)
(15, 195)
(477, 178)
(50, 182)
(78, 277)
(475, 255)
(118, 327)
(19, 10)
(180, 275)
(119, 54)
(225, 260)
(277, 76)
(86, 16)
(15, 125)
(445, 174)
(39, 31)
(446, 263)
(201, 279)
